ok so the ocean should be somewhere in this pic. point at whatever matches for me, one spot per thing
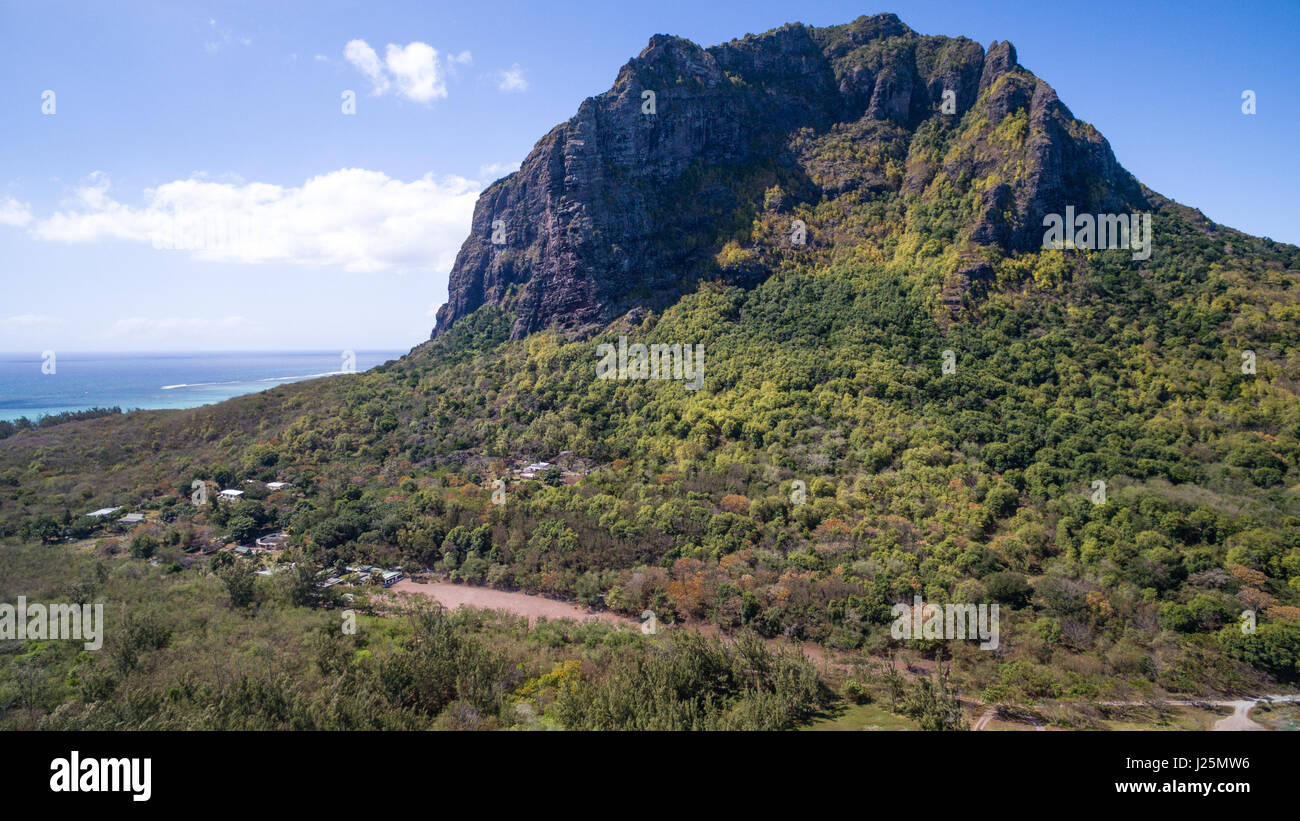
(131, 381)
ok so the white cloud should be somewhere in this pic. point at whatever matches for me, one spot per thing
(415, 70)
(511, 79)
(455, 61)
(497, 170)
(415, 67)
(353, 219)
(13, 212)
(23, 321)
(360, 54)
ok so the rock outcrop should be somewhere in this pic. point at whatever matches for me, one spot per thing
(628, 204)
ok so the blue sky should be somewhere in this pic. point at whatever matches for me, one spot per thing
(233, 111)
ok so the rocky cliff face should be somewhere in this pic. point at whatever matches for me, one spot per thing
(629, 203)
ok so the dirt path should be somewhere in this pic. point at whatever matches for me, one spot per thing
(1239, 720)
(453, 596)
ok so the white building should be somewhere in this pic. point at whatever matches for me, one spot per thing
(535, 468)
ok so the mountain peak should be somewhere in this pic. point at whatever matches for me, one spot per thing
(998, 60)
(632, 202)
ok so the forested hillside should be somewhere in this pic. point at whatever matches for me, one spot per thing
(829, 465)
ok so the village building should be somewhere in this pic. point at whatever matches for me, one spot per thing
(273, 541)
(532, 471)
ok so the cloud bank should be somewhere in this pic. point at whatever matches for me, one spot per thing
(353, 219)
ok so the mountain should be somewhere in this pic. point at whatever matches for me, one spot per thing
(919, 399)
(627, 204)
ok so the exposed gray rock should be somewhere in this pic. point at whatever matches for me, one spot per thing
(623, 206)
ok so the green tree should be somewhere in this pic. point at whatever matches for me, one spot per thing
(239, 580)
(242, 528)
(143, 546)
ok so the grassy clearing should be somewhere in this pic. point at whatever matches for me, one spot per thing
(860, 717)
(1278, 716)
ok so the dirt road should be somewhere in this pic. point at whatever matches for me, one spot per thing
(1239, 720)
(452, 596)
